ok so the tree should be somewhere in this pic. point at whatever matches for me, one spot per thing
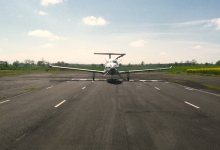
(16, 63)
(27, 62)
(32, 63)
(218, 63)
(194, 62)
(43, 62)
(176, 63)
(62, 63)
(188, 63)
(142, 63)
(58, 63)
(40, 63)
(206, 64)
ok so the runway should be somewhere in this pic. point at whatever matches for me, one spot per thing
(102, 115)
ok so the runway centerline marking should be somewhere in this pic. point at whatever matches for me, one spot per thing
(60, 103)
(4, 101)
(157, 88)
(75, 95)
(49, 87)
(191, 104)
(83, 88)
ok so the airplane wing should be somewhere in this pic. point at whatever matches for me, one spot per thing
(143, 70)
(96, 71)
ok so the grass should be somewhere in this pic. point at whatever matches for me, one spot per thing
(212, 86)
(31, 89)
(4, 97)
(185, 70)
(23, 72)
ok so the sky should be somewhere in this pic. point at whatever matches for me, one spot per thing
(153, 31)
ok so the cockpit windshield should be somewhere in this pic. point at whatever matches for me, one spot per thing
(112, 61)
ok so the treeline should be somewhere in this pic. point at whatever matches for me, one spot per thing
(194, 62)
(27, 64)
(186, 63)
(42, 64)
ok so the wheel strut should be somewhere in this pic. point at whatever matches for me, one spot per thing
(93, 76)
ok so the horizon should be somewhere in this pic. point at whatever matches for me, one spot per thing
(149, 31)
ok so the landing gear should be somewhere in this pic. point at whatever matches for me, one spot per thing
(93, 76)
(120, 76)
(128, 76)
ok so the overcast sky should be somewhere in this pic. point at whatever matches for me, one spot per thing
(153, 31)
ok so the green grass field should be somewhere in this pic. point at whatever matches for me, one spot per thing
(22, 72)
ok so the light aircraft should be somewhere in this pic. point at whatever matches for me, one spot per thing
(111, 67)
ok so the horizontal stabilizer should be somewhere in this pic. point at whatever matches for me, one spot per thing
(110, 54)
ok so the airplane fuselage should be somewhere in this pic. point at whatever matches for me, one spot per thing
(111, 67)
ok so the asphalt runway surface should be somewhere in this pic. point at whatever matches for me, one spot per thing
(111, 115)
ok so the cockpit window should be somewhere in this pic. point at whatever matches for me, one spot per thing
(112, 61)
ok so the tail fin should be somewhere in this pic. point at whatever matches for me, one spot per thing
(121, 55)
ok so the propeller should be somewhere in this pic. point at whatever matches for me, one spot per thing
(106, 73)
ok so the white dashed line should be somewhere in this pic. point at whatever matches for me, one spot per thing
(83, 88)
(157, 88)
(49, 87)
(191, 104)
(142, 80)
(60, 103)
(4, 101)
(189, 88)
